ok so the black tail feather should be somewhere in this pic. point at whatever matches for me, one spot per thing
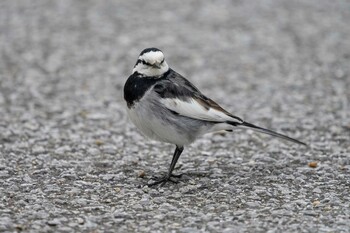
(267, 131)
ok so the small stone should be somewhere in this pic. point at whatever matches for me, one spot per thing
(109, 149)
(80, 221)
(309, 213)
(120, 213)
(313, 164)
(93, 151)
(316, 203)
(99, 142)
(20, 227)
(62, 150)
(317, 190)
(38, 150)
(141, 174)
(83, 113)
(144, 201)
(210, 160)
(53, 222)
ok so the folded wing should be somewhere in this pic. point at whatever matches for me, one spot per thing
(185, 100)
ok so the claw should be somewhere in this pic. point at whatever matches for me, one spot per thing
(168, 177)
(177, 176)
(165, 179)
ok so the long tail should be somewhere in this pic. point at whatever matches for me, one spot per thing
(266, 131)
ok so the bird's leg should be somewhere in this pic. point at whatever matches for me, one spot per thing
(167, 177)
(174, 161)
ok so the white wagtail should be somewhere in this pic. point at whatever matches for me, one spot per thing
(167, 107)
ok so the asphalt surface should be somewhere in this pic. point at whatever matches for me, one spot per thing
(71, 161)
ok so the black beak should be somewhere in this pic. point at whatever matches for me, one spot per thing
(155, 65)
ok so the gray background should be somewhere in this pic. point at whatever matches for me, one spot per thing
(70, 160)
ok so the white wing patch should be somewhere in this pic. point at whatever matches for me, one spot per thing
(193, 109)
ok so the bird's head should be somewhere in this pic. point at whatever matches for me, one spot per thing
(151, 63)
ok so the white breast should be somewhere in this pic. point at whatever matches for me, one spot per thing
(154, 127)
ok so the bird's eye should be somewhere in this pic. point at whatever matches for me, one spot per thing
(146, 63)
(162, 61)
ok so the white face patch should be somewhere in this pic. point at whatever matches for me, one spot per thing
(148, 59)
(152, 57)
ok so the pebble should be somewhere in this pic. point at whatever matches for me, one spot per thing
(109, 149)
(80, 220)
(93, 151)
(62, 150)
(53, 222)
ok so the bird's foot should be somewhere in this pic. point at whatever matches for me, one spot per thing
(163, 180)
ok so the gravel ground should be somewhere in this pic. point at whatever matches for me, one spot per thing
(71, 161)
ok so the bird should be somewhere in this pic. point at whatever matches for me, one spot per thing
(167, 107)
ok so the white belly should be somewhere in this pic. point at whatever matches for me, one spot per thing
(156, 128)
